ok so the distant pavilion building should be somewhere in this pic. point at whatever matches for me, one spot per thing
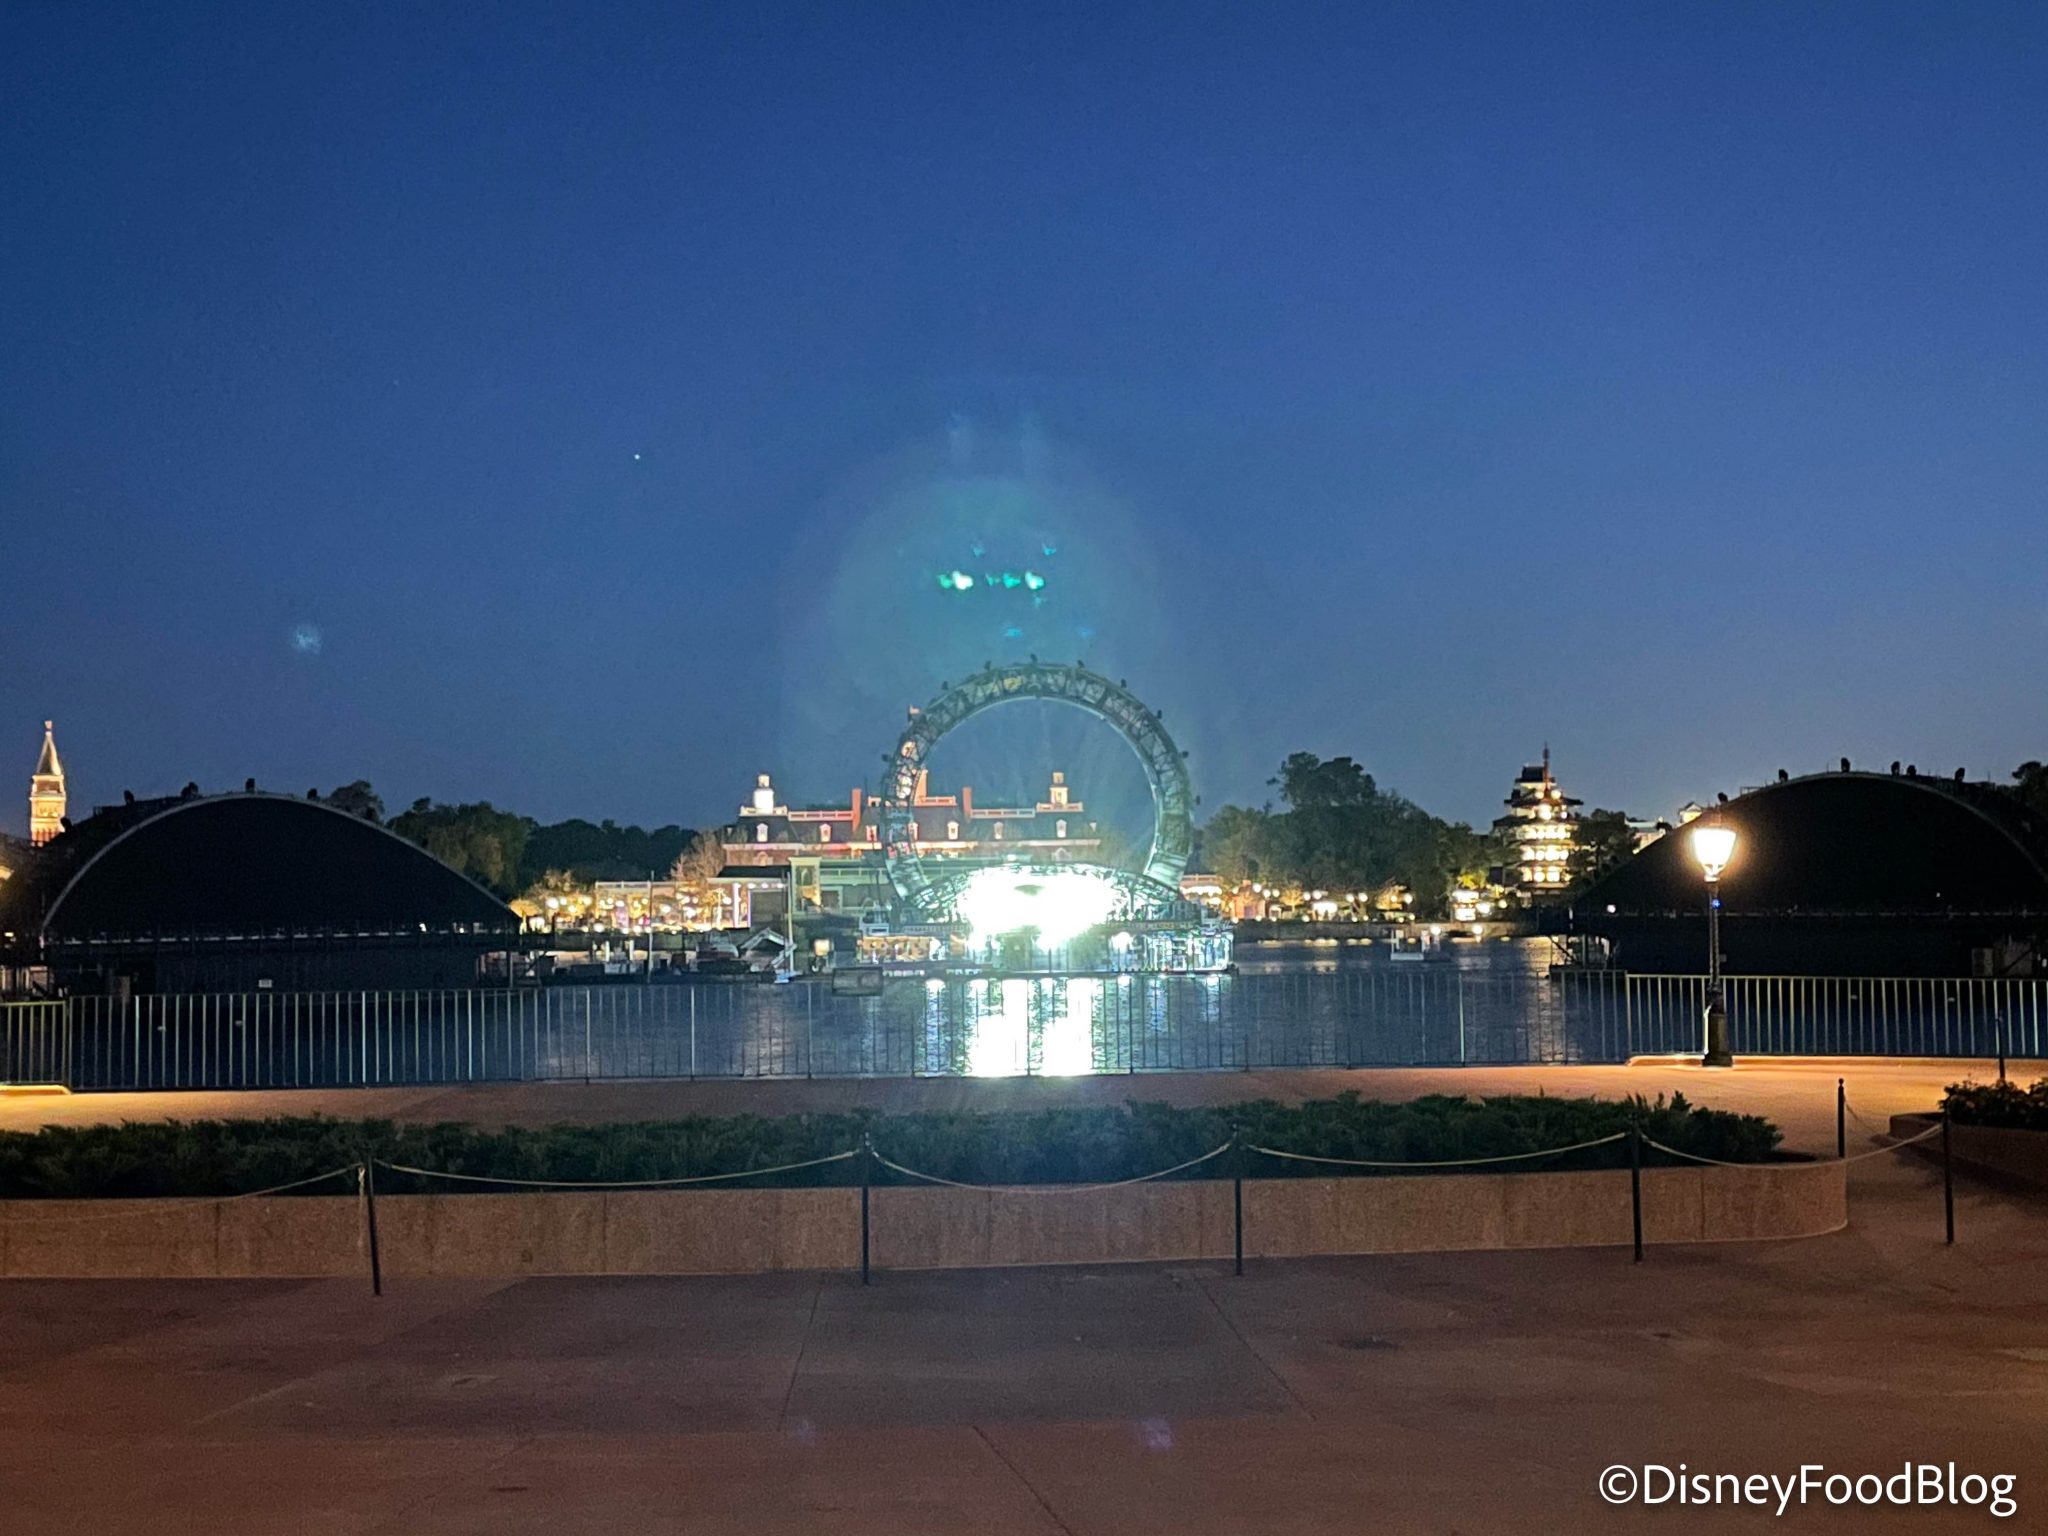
(838, 847)
(46, 795)
(1538, 829)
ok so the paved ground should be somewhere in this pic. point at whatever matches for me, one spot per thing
(1475, 1393)
(1472, 1393)
(1798, 1093)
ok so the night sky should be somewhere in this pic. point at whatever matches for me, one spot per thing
(586, 407)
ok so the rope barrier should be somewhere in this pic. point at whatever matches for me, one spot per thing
(1933, 1130)
(1052, 1189)
(1874, 1130)
(1694, 1157)
(1449, 1162)
(695, 1178)
(156, 1207)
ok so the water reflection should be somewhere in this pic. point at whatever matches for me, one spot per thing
(1048, 1025)
(1311, 1004)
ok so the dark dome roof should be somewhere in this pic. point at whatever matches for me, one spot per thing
(247, 863)
(1851, 843)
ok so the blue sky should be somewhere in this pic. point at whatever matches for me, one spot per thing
(573, 407)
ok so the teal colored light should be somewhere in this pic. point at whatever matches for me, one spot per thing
(1033, 580)
(1012, 579)
(960, 581)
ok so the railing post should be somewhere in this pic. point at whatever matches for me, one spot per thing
(1998, 1023)
(867, 1179)
(1460, 979)
(1841, 1119)
(1635, 1181)
(1948, 1180)
(1237, 1194)
(368, 1175)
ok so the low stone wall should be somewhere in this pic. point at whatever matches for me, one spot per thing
(2005, 1150)
(933, 1227)
(699, 1232)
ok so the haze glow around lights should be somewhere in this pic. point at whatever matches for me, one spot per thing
(1058, 905)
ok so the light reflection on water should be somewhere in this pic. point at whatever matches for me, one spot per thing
(1323, 957)
(1051, 1026)
(1351, 1007)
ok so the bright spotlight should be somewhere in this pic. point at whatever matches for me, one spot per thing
(1055, 906)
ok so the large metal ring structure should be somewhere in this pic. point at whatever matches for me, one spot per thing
(1173, 799)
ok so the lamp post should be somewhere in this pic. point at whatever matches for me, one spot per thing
(1713, 845)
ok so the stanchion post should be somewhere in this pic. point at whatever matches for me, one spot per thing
(1948, 1180)
(1237, 1194)
(1841, 1119)
(1635, 1182)
(370, 1219)
(867, 1179)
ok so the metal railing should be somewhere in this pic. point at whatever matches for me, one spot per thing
(35, 1043)
(979, 1026)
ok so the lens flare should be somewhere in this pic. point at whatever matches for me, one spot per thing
(1054, 906)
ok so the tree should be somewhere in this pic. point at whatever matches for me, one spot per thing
(699, 863)
(2030, 783)
(1471, 857)
(570, 896)
(358, 799)
(1238, 844)
(603, 850)
(1601, 840)
(1308, 782)
(1342, 832)
(481, 841)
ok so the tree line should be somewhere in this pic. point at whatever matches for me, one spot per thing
(1337, 829)
(511, 853)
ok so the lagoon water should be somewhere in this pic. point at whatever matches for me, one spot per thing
(1311, 1004)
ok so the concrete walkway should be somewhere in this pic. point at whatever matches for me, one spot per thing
(1797, 1093)
(1420, 1393)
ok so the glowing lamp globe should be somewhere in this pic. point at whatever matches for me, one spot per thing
(1713, 845)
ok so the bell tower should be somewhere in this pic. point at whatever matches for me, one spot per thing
(46, 799)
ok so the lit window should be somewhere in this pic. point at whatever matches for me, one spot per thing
(952, 831)
(999, 831)
(824, 832)
(1059, 828)
(760, 831)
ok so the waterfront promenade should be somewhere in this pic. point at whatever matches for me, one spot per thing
(1413, 1393)
(1422, 1393)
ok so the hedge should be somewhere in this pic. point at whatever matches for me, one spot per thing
(1053, 1146)
(2005, 1104)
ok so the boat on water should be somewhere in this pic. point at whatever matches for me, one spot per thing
(1421, 948)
